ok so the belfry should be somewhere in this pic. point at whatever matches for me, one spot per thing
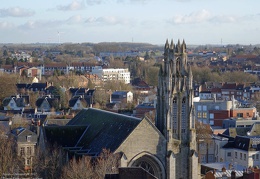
(174, 117)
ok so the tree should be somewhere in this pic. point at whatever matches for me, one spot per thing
(9, 160)
(33, 98)
(203, 138)
(8, 61)
(101, 98)
(90, 85)
(5, 53)
(117, 85)
(79, 168)
(24, 74)
(8, 86)
(150, 73)
(48, 163)
(146, 56)
(106, 163)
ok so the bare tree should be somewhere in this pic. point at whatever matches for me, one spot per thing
(7, 87)
(94, 168)
(48, 163)
(33, 98)
(101, 98)
(79, 168)
(10, 163)
(203, 138)
(106, 163)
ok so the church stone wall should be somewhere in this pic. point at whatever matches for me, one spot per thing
(145, 138)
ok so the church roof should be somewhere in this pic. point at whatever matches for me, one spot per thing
(106, 129)
(103, 129)
(66, 136)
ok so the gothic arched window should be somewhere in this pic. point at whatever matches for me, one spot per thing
(149, 164)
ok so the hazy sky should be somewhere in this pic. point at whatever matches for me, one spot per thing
(151, 21)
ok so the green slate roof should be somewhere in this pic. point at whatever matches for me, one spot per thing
(105, 129)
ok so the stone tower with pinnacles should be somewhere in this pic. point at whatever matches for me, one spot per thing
(175, 117)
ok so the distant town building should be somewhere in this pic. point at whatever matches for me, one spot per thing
(120, 54)
(109, 74)
(121, 97)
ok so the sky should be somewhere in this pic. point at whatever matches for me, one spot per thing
(198, 22)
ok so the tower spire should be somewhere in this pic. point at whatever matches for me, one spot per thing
(166, 44)
(174, 112)
(183, 46)
(178, 47)
(172, 45)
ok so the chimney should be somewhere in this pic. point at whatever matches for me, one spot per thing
(214, 98)
(223, 169)
(229, 166)
(233, 175)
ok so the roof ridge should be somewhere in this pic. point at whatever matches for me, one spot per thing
(110, 112)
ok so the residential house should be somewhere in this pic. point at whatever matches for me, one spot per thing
(77, 103)
(113, 107)
(34, 72)
(122, 97)
(42, 88)
(242, 146)
(232, 89)
(26, 145)
(21, 56)
(237, 123)
(140, 86)
(49, 68)
(47, 103)
(204, 95)
(223, 170)
(81, 97)
(145, 108)
(16, 102)
(8, 69)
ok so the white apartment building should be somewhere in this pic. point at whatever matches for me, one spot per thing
(241, 150)
(112, 74)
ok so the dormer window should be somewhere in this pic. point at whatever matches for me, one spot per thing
(29, 137)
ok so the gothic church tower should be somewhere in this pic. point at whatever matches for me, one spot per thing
(174, 117)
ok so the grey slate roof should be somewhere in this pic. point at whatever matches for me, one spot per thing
(51, 101)
(21, 135)
(66, 136)
(73, 101)
(6, 101)
(106, 129)
(233, 132)
(103, 129)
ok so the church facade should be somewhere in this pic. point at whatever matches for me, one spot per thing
(166, 150)
(175, 117)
